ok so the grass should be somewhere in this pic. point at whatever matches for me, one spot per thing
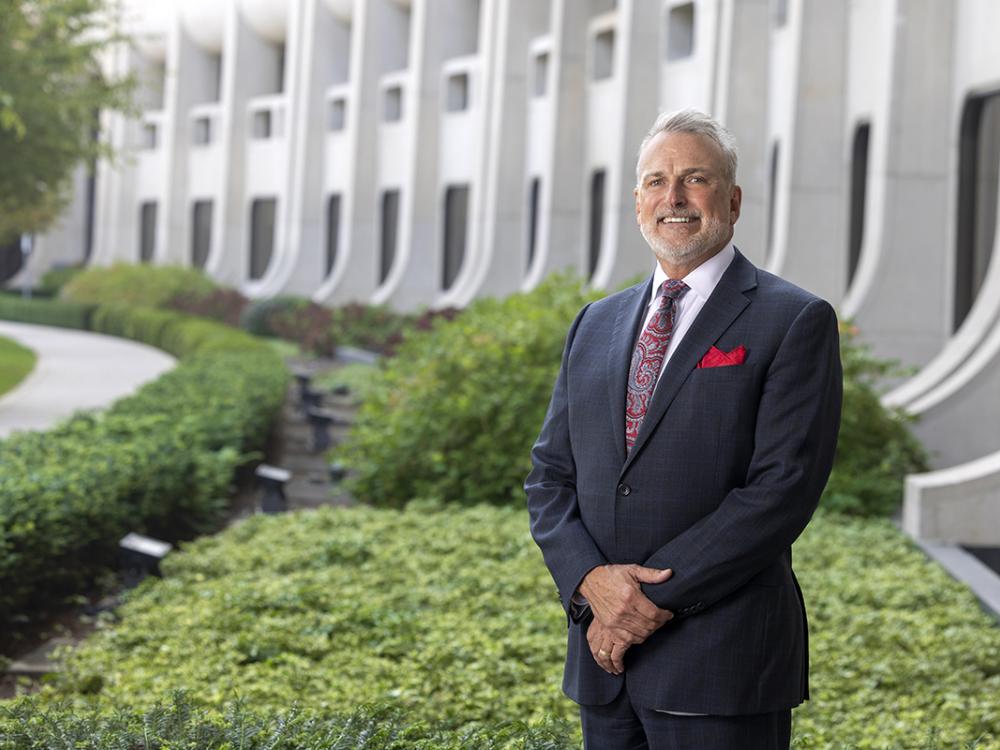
(16, 362)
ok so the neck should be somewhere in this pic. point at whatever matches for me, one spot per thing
(682, 269)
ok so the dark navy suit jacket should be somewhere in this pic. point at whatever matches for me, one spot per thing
(727, 470)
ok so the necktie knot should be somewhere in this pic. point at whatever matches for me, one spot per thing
(673, 289)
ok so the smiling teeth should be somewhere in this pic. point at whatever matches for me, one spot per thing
(677, 219)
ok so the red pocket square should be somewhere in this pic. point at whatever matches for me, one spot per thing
(717, 358)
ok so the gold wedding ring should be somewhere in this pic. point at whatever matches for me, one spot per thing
(602, 652)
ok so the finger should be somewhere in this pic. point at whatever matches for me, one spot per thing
(618, 657)
(602, 655)
(651, 575)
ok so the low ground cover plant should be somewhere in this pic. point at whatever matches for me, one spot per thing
(178, 725)
(16, 362)
(342, 607)
(160, 461)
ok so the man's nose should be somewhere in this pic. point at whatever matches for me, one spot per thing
(675, 195)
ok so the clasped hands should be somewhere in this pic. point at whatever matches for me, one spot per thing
(623, 615)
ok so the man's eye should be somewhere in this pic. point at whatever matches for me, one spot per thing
(655, 182)
(696, 178)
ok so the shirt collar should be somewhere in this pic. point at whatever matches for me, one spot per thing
(703, 279)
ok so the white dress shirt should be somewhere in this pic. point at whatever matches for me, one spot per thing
(701, 283)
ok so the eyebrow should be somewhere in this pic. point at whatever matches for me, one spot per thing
(685, 173)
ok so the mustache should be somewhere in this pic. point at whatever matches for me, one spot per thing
(678, 215)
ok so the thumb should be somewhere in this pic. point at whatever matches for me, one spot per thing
(651, 575)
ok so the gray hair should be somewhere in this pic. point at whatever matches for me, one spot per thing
(693, 121)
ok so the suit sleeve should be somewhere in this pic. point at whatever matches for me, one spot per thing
(798, 419)
(569, 550)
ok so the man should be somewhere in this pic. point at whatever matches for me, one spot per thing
(690, 433)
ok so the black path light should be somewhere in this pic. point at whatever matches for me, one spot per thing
(139, 556)
(304, 379)
(271, 481)
(321, 421)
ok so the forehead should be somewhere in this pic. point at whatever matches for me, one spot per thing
(674, 152)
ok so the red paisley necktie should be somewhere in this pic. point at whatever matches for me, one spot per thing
(647, 359)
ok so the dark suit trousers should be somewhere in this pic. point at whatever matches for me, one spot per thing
(620, 725)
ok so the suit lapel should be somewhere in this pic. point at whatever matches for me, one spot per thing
(627, 321)
(719, 312)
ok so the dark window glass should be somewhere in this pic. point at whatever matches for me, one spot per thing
(596, 220)
(332, 231)
(859, 186)
(772, 199)
(534, 197)
(604, 55)
(390, 226)
(541, 74)
(147, 231)
(456, 219)
(392, 104)
(262, 215)
(979, 159)
(680, 32)
(201, 232)
(457, 96)
(11, 259)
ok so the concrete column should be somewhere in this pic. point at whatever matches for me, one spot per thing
(809, 240)
(379, 42)
(910, 165)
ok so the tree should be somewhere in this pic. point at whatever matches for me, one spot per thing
(51, 91)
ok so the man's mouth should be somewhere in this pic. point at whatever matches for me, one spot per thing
(678, 219)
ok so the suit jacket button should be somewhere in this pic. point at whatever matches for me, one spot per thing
(624, 490)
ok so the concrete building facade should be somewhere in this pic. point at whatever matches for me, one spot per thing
(426, 152)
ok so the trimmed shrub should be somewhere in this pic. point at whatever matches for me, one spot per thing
(136, 285)
(222, 305)
(160, 461)
(55, 279)
(45, 312)
(378, 328)
(450, 615)
(454, 415)
(876, 449)
(369, 327)
(180, 725)
(296, 319)
(174, 332)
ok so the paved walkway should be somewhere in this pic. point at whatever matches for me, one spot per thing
(75, 370)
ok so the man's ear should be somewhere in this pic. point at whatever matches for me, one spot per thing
(635, 194)
(735, 201)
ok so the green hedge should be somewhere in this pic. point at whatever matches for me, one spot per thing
(159, 461)
(138, 285)
(875, 449)
(45, 312)
(449, 615)
(178, 725)
(453, 415)
(173, 332)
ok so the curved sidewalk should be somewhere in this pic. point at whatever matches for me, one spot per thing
(75, 370)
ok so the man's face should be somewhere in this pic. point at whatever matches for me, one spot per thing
(685, 206)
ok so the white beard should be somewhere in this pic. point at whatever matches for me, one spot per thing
(713, 234)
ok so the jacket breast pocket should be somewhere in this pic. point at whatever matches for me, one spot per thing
(707, 376)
